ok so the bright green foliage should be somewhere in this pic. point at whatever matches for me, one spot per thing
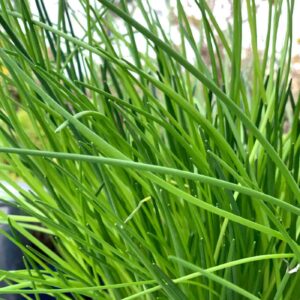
(156, 175)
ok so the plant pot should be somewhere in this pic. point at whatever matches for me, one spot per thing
(11, 257)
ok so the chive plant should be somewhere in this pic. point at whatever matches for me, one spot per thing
(157, 175)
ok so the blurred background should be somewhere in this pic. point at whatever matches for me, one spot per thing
(222, 9)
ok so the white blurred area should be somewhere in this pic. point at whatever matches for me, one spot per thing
(222, 9)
